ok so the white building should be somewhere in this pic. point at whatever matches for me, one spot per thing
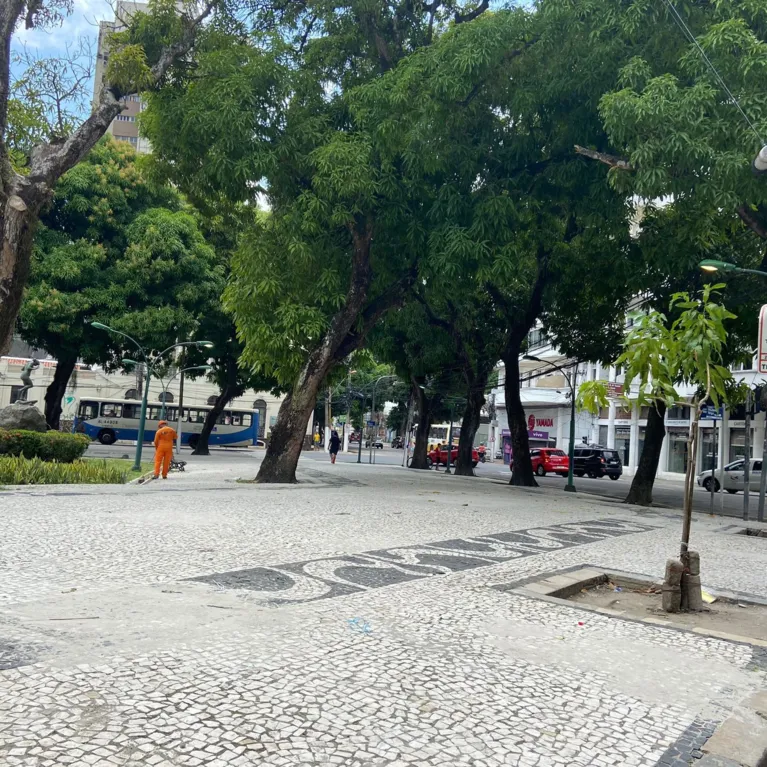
(94, 382)
(545, 397)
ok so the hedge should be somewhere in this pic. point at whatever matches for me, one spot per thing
(47, 445)
(17, 470)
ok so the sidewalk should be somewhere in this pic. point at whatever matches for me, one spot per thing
(363, 617)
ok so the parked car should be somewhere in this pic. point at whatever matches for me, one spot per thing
(597, 462)
(377, 444)
(440, 456)
(733, 477)
(397, 443)
(549, 460)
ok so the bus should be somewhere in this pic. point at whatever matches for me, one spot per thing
(109, 420)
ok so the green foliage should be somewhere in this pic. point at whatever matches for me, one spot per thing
(689, 351)
(592, 396)
(116, 248)
(47, 446)
(20, 470)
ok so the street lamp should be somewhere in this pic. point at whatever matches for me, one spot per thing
(149, 370)
(570, 486)
(711, 265)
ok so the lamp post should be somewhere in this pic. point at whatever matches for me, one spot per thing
(711, 265)
(570, 377)
(149, 370)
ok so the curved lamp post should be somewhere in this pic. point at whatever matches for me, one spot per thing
(150, 363)
(711, 265)
(570, 377)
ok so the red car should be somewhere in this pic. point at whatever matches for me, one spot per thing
(549, 460)
(440, 456)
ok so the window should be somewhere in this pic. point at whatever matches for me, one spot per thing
(757, 466)
(678, 413)
(536, 339)
(126, 118)
(15, 391)
(153, 413)
(535, 453)
(194, 416)
(556, 452)
(133, 140)
(111, 410)
(88, 410)
(131, 410)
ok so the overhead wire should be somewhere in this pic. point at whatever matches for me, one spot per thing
(682, 24)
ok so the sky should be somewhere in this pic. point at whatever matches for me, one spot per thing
(83, 22)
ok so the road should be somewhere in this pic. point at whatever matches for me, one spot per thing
(666, 493)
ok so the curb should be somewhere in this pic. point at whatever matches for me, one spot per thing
(143, 479)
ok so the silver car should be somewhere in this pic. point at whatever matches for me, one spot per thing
(732, 477)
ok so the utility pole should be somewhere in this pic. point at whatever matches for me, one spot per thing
(450, 439)
(328, 409)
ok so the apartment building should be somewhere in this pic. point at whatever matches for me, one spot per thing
(621, 426)
(125, 126)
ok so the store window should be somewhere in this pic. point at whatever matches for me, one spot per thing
(678, 413)
(623, 443)
(677, 450)
(640, 442)
(738, 444)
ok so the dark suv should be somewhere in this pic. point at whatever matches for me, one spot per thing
(597, 462)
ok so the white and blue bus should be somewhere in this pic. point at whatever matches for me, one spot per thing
(109, 420)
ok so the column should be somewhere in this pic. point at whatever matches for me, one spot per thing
(611, 415)
(758, 435)
(663, 460)
(724, 439)
(634, 437)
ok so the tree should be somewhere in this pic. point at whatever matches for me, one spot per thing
(113, 247)
(690, 351)
(26, 183)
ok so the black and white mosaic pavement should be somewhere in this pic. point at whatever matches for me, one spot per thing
(338, 576)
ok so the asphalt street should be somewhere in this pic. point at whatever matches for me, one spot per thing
(667, 493)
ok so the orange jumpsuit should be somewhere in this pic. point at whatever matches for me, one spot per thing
(163, 450)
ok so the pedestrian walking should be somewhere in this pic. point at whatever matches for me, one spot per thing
(163, 449)
(335, 444)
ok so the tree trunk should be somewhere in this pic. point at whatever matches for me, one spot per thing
(230, 390)
(56, 390)
(640, 492)
(284, 450)
(522, 473)
(15, 256)
(469, 426)
(418, 459)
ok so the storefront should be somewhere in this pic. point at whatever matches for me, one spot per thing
(677, 449)
(623, 443)
(738, 443)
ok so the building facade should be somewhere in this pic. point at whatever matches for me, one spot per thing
(125, 126)
(94, 382)
(545, 396)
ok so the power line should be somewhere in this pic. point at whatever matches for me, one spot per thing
(691, 37)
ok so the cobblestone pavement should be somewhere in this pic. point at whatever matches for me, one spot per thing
(349, 620)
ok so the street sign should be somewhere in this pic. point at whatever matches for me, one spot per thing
(614, 389)
(371, 423)
(710, 413)
(763, 339)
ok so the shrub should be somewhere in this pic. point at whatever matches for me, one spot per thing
(17, 470)
(48, 445)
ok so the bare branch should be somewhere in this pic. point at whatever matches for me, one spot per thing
(10, 10)
(614, 161)
(753, 220)
(51, 161)
(460, 18)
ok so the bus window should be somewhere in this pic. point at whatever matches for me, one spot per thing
(153, 413)
(131, 410)
(247, 418)
(171, 414)
(88, 410)
(195, 416)
(111, 410)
